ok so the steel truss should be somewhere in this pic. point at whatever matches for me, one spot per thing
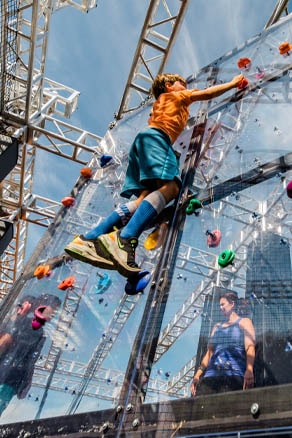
(250, 213)
(162, 23)
(94, 381)
(242, 209)
(33, 107)
(28, 100)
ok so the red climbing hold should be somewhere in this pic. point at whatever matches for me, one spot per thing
(68, 201)
(243, 83)
(244, 64)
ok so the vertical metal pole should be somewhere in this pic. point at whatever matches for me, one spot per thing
(142, 357)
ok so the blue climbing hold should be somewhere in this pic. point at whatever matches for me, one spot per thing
(103, 284)
(137, 283)
(105, 159)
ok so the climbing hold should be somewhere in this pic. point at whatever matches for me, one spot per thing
(137, 283)
(289, 189)
(284, 48)
(66, 283)
(24, 308)
(225, 258)
(156, 238)
(244, 64)
(39, 319)
(86, 172)
(105, 159)
(103, 284)
(42, 271)
(259, 74)
(243, 83)
(68, 201)
(214, 238)
(36, 324)
(193, 205)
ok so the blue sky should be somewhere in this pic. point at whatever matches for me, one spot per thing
(92, 53)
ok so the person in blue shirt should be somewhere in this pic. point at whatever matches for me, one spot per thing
(229, 360)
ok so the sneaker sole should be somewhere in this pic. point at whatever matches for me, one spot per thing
(122, 269)
(76, 252)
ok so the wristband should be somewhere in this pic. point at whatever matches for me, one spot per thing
(203, 369)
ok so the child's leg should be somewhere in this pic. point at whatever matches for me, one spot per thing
(150, 207)
(121, 246)
(118, 218)
(88, 249)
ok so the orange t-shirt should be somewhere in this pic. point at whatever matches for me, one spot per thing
(170, 112)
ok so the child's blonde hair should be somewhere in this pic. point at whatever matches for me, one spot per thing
(158, 85)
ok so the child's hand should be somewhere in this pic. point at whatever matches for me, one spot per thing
(237, 79)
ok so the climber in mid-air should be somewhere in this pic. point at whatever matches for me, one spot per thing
(152, 176)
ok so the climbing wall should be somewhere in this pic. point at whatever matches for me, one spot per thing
(101, 347)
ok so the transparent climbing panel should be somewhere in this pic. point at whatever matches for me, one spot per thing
(68, 328)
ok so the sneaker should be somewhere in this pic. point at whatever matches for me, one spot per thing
(89, 251)
(122, 252)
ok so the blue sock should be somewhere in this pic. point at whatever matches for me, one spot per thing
(117, 218)
(149, 208)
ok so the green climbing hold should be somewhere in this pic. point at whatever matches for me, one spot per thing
(225, 258)
(193, 205)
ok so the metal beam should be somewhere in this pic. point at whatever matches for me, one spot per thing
(158, 34)
(280, 7)
(28, 102)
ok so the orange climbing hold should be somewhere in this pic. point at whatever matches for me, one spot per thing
(86, 172)
(66, 283)
(42, 271)
(285, 47)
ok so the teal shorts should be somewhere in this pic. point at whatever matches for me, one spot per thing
(151, 158)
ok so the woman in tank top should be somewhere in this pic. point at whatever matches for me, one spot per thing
(228, 362)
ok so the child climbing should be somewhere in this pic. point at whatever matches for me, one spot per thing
(152, 176)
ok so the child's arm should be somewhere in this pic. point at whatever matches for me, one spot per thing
(216, 90)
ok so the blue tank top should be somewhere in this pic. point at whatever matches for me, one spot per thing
(229, 357)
